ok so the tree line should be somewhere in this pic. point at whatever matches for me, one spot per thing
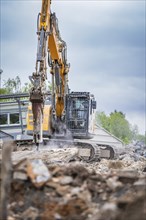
(14, 85)
(117, 124)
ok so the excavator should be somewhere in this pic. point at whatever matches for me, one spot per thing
(60, 115)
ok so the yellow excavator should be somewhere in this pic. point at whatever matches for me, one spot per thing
(64, 116)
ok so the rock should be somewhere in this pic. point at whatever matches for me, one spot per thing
(30, 213)
(128, 176)
(21, 165)
(20, 170)
(12, 205)
(133, 209)
(11, 218)
(38, 172)
(20, 175)
(63, 190)
(20, 203)
(75, 191)
(57, 216)
(128, 160)
(85, 195)
(140, 184)
(108, 211)
(66, 180)
(52, 184)
(71, 209)
(17, 185)
(104, 196)
(77, 171)
(116, 164)
(113, 183)
(109, 207)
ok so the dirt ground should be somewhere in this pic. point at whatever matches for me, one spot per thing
(53, 184)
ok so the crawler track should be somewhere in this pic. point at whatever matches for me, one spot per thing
(88, 151)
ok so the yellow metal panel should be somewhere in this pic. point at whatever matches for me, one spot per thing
(45, 14)
(29, 119)
(52, 44)
(59, 107)
(46, 119)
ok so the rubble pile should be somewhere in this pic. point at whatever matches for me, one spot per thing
(55, 185)
(105, 190)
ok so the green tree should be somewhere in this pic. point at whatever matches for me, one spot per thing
(103, 120)
(134, 130)
(13, 85)
(116, 124)
(26, 88)
(3, 91)
(120, 127)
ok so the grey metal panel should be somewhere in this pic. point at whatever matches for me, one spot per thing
(13, 108)
(5, 135)
(102, 136)
(12, 129)
(14, 96)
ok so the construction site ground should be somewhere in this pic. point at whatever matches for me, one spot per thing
(54, 184)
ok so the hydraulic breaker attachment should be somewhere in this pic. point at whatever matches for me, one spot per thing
(37, 97)
(37, 110)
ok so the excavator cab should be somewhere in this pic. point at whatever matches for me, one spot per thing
(79, 108)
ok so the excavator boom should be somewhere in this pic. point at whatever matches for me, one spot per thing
(49, 41)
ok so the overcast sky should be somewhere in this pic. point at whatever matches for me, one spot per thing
(106, 49)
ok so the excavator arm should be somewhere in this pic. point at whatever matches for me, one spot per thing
(57, 50)
(49, 40)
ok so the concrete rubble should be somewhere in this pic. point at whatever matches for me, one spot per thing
(45, 185)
